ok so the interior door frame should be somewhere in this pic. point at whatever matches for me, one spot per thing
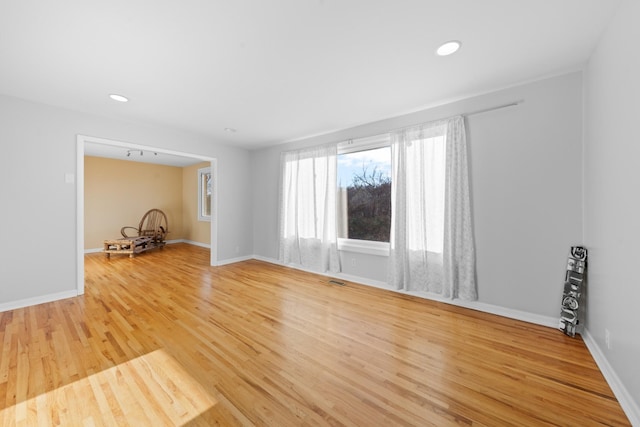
(80, 141)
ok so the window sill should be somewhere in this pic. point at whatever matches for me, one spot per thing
(364, 247)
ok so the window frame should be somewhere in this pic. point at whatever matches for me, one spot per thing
(202, 194)
(370, 247)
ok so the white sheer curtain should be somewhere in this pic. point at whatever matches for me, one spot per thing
(308, 209)
(431, 247)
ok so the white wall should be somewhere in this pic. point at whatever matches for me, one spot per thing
(38, 214)
(526, 166)
(612, 198)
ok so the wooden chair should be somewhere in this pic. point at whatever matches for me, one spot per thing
(153, 224)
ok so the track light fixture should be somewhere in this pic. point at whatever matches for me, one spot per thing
(141, 152)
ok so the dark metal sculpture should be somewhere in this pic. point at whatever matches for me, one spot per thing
(574, 279)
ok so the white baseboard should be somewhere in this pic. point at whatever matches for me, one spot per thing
(234, 260)
(169, 242)
(193, 242)
(629, 406)
(525, 316)
(13, 305)
(627, 402)
(361, 280)
(474, 305)
(266, 259)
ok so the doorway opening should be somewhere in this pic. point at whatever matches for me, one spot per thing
(82, 142)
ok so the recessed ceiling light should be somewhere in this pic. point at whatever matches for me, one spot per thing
(119, 98)
(229, 130)
(448, 48)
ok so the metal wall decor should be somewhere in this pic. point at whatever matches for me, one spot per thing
(573, 281)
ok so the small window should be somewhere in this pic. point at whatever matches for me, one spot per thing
(204, 194)
(364, 191)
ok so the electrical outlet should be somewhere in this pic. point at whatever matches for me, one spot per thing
(607, 339)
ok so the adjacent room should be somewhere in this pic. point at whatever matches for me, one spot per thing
(366, 213)
(121, 184)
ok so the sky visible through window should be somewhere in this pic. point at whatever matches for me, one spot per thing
(353, 163)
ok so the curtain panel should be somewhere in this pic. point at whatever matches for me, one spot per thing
(431, 245)
(308, 187)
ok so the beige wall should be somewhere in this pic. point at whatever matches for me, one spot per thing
(119, 192)
(194, 230)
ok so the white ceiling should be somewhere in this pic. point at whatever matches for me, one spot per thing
(283, 69)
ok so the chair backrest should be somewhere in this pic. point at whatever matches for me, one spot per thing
(153, 224)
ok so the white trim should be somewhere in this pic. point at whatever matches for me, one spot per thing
(353, 146)
(363, 246)
(79, 214)
(27, 302)
(172, 241)
(169, 242)
(80, 142)
(629, 406)
(234, 260)
(362, 280)
(194, 243)
(213, 235)
(364, 144)
(524, 316)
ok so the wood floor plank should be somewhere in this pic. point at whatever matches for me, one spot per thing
(166, 339)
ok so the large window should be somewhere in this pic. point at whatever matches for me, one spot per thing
(404, 194)
(364, 193)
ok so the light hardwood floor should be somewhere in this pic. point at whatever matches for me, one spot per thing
(164, 339)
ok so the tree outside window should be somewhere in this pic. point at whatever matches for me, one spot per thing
(364, 194)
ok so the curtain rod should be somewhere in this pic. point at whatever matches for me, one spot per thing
(472, 113)
(498, 107)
